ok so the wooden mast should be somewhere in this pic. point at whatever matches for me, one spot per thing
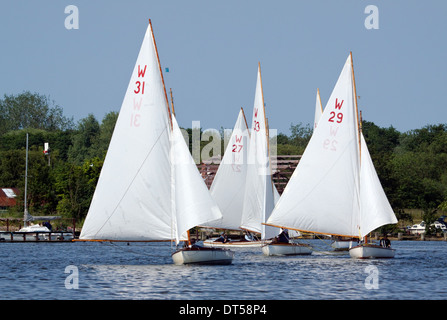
(172, 102)
(161, 74)
(319, 98)
(245, 119)
(359, 128)
(359, 123)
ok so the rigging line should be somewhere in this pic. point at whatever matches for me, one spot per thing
(131, 182)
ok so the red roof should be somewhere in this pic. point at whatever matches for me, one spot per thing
(8, 197)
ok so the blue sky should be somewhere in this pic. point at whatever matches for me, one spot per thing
(212, 49)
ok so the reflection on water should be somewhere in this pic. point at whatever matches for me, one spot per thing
(145, 271)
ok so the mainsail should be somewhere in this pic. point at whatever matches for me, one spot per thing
(142, 194)
(330, 190)
(228, 187)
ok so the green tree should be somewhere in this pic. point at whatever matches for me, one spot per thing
(300, 136)
(31, 110)
(101, 143)
(75, 186)
(83, 139)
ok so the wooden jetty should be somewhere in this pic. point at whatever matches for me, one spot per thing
(41, 236)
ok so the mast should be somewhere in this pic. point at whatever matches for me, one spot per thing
(246, 124)
(319, 98)
(359, 132)
(161, 73)
(172, 102)
(25, 213)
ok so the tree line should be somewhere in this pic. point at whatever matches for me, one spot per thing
(411, 165)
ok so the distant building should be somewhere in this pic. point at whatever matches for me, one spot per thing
(8, 198)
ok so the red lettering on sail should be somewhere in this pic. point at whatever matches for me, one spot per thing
(141, 73)
(329, 144)
(140, 87)
(338, 105)
(339, 117)
(333, 131)
(137, 105)
(238, 140)
(135, 120)
(256, 112)
(237, 147)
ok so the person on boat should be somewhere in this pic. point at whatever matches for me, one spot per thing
(283, 237)
(385, 242)
(223, 238)
(248, 236)
(48, 225)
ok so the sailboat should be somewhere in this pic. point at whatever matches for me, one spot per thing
(228, 187)
(34, 231)
(149, 188)
(335, 189)
(260, 192)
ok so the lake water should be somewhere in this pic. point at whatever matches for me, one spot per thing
(97, 271)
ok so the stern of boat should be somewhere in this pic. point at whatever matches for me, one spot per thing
(368, 251)
(201, 255)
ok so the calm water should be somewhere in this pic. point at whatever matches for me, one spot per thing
(145, 271)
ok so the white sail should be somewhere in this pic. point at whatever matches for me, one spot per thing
(259, 187)
(318, 109)
(192, 200)
(141, 193)
(228, 186)
(322, 195)
(131, 190)
(375, 209)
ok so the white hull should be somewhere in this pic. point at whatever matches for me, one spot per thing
(202, 256)
(210, 243)
(340, 245)
(286, 249)
(371, 252)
